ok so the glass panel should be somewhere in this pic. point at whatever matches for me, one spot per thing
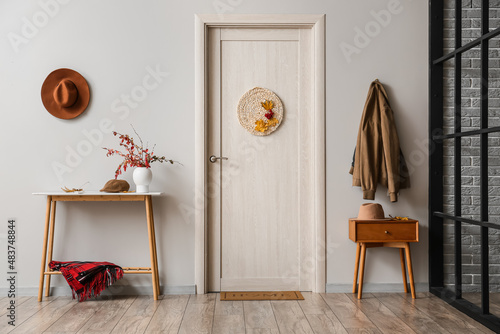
(471, 89)
(494, 270)
(449, 26)
(494, 178)
(471, 263)
(471, 179)
(471, 20)
(449, 254)
(448, 99)
(448, 178)
(494, 14)
(494, 82)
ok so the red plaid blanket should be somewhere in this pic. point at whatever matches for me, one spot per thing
(88, 279)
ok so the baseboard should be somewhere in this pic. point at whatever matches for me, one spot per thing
(375, 287)
(120, 290)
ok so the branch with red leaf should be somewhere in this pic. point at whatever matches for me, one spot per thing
(133, 154)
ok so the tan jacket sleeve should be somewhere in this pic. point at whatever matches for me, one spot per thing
(390, 145)
(366, 174)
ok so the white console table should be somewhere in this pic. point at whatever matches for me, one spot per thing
(95, 196)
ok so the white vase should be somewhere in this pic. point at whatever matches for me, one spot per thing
(142, 178)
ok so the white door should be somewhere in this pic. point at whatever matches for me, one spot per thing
(260, 200)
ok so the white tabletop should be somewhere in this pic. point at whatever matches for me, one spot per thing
(93, 193)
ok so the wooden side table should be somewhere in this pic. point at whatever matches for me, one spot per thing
(383, 233)
(54, 197)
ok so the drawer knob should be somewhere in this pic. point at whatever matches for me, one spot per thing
(386, 232)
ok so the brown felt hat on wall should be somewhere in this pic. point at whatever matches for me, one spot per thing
(65, 93)
(371, 211)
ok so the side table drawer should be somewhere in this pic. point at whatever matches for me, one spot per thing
(386, 232)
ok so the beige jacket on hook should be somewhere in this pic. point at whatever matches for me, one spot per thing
(378, 157)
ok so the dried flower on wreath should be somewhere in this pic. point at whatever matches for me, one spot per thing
(134, 154)
(264, 125)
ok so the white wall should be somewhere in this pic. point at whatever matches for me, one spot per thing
(113, 44)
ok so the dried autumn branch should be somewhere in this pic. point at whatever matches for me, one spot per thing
(134, 155)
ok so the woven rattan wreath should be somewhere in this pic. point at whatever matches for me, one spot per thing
(260, 111)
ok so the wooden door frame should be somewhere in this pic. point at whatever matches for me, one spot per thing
(317, 24)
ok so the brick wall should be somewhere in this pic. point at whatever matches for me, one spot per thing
(470, 146)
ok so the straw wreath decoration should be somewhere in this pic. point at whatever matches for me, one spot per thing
(260, 111)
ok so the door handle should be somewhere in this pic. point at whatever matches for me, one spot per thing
(213, 158)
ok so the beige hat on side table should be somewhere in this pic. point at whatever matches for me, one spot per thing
(371, 211)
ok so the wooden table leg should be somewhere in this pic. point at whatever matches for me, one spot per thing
(410, 269)
(44, 251)
(403, 268)
(362, 270)
(151, 247)
(154, 246)
(51, 245)
(356, 268)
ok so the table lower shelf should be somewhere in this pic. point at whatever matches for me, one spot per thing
(126, 270)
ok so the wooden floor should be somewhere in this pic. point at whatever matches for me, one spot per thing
(191, 314)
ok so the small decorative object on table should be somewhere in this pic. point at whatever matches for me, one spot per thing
(398, 218)
(116, 186)
(139, 156)
(74, 190)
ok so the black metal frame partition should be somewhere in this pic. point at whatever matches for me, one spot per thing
(436, 170)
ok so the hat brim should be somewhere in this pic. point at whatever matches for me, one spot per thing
(50, 84)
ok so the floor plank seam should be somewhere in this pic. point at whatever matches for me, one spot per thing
(97, 310)
(183, 314)
(151, 318)
(74, 305)
(135, 298)
(213, 313)
(53, 322)
(244, 318)
(275, 318)
(335, 315)
(17, 326)
(305, 316)
(413, 307)
(360, 310)
(83, 325)
(395, 316)
(18, 304)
